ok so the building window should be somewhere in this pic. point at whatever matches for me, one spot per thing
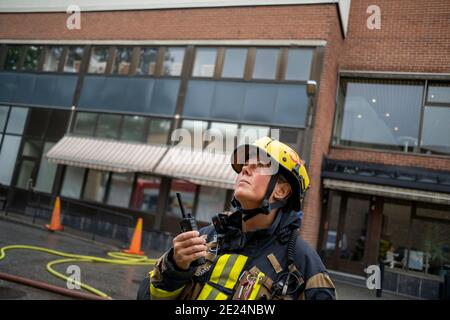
(146, 193)
(73, 59)
(248, 133)
(211, 201)
(266, 61)
(32, 148)
(13, 57)
(73, 182)
(133, 128)
(37, 122)
(3, 115)
(95, 187)
(192, 134)
(25, 173)
(120, 189)
(436, 130)
(122, 62)
(288, 136)
(99, 60)
(234, 63)
(59, 120)
(430, 247)
(16, 122)
(52, 58)
(299, 64)
(221, 136)
(173, 61)
(147, 62)
(187, 191)
(379, 114)
(85, 124)
(108, 126)
(205, 62)
(439, 93)
(395, 232)
(31, 61)
(8, 155)
(47, 171)
(355, 233)
(329, 243)
(158, 132)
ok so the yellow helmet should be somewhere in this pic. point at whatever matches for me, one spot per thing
(291, 166)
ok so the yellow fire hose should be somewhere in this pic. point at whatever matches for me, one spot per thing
(116, 258)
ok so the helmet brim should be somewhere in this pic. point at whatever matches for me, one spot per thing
(243, 152)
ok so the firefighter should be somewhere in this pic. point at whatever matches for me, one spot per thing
(255, 252)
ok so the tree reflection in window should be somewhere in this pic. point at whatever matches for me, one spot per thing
(173, 61)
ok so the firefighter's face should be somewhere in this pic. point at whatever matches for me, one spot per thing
(251, 183)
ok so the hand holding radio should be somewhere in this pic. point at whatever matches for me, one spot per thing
(188, 245)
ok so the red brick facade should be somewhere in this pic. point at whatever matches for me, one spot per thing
(414, 37)
(281, 22)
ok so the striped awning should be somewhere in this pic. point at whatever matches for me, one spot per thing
(196, 166)
(199, 167)
(106, 155)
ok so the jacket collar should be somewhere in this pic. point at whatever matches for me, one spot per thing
(281, 228)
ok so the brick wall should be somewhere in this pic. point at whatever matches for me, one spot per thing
(391, 158)
(322, 129)
(281, 22)
(414, 37)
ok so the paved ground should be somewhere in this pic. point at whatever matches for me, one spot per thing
(120, 282)
(348, 291)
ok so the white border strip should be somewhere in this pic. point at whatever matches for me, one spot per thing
(112, 5)
(304, 43)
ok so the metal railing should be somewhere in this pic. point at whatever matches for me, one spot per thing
(86, 217)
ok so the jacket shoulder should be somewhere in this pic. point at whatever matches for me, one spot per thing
(307, 259)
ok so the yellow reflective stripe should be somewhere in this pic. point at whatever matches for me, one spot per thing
(220, 265)
(205, 292)
(236, 271)
(226, 273)
(221, 296)
(257, 286)
(161, 293)
(211, 293)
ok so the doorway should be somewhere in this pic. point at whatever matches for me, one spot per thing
(351, 231)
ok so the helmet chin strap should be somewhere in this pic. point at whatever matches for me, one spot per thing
(265, 207)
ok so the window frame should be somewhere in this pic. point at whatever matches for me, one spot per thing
(216, 63)
(161, 63)
(338, 112)
(86, 52)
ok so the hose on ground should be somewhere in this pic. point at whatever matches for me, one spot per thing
(118, 258)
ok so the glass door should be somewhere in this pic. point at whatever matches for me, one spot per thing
(351, 232)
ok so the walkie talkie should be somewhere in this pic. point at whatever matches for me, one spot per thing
(188, 223)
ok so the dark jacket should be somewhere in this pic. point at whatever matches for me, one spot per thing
(264, 251)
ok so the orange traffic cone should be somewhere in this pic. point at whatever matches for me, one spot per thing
(55, 224)
(135, 247)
